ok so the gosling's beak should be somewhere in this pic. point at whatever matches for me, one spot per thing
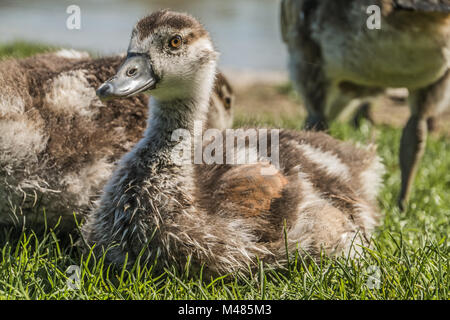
(134, 76)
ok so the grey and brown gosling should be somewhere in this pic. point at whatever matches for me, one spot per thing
(222, 216)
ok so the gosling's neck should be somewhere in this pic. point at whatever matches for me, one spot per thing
(180, 112)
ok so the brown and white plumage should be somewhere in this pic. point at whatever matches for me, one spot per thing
(336, 60)
(58, 141)
(223, 215)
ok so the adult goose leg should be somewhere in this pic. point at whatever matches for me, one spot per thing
(424, 104)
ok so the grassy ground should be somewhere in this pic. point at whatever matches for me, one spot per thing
(408, 260)
(21, 49)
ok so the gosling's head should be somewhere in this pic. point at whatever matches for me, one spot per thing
(170, 56)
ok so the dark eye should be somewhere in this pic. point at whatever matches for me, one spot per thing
(131, 72)
(227, 102)
(175, 42)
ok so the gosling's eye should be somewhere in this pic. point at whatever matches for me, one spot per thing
(227, 103)
(131, 72)
(175, 42)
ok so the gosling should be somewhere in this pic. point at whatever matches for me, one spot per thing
(321, 195)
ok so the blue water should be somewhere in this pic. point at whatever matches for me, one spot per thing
(246, 32)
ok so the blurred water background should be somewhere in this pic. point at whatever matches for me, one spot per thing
(246, 32)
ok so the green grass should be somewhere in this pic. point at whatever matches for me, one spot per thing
(22, 49)
(410, 249)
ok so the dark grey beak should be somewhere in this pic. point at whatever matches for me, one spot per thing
(134, 76)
